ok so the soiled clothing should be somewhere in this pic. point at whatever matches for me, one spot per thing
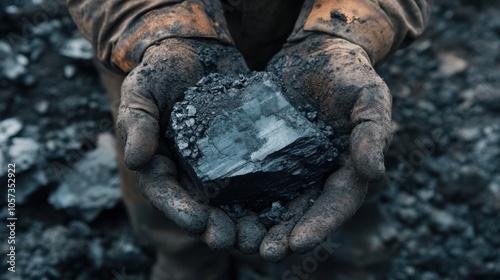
(121, 30)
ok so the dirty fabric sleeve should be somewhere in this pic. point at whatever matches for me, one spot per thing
(379, 26)
(121, 30)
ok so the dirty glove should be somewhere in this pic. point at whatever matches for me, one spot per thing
(335, 78)
(125, 35)
(148, 94)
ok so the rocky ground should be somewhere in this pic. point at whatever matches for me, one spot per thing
(443, 166)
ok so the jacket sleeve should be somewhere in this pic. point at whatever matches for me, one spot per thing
(379, 26)
(121, 30)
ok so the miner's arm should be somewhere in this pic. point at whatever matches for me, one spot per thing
(328, 66)
(121, 30)
(380, 27)
(157, 45)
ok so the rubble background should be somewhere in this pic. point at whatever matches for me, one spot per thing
(443, 166)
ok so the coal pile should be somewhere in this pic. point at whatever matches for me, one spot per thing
(444, 164)
(245, 143)
(56, 125)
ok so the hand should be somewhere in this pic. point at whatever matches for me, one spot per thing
(148, 95)
(335, 78)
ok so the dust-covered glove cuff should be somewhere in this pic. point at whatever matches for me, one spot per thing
(378, 26)
(187, 19)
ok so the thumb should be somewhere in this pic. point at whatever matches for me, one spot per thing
(372, 135)
(138, 124)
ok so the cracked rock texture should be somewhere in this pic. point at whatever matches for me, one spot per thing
(245, 143)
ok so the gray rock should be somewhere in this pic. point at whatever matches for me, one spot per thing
(49, 252)
(42, 107)
(468, 134)
(96, 253)
(275, 214)
(11, 66)
(12, 10)
(69, 71)
(442, 221)
(38, 47)
(92, 184)
(408, 215)
(125, 249)
(3, 164)
(488, 96)
(8, 128)
(24, 152)
(28, 80)
(452, 64)
(244, 142)
(429, 275)
(467, 181)
(77, 48)
(30, 182)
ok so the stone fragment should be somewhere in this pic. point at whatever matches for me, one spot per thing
(275, 214)
(28, 80)
(31, 181)
(90, 186)
(24, 152)
(243, 142)
(442, 220)
(11, 66)
(452, 64)
(38, 47)
(77, 48)
(3, 164)
(8, 128)
(69, 71)
(42, 107)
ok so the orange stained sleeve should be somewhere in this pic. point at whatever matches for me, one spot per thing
(120, 31)
(378, 26)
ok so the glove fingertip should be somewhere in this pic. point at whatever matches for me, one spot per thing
(370, 166)
(250, 234)
(300, 243)
(274, 248)
(192, 222)
(136, 161)
(139, 153)
(272, 252)
(369, 141)
(220, 234)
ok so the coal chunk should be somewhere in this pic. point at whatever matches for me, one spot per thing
(275, 214)
(242, 141)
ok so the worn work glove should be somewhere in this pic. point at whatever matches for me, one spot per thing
(335, 78)
(148, 94)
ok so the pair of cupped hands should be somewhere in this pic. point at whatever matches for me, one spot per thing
(330, 74)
